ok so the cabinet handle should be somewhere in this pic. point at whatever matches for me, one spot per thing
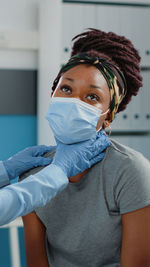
(136, 116)
(66, 49)
(147, 52)
(125, 116)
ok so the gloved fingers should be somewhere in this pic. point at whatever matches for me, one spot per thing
(97, 147)
(101, 133)
(42, 149)
(100, 145)
(93, 152)
(88, 154)
(41, 161)
(97, 159)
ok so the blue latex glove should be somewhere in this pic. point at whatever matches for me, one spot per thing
(27, 159)
(76, 158)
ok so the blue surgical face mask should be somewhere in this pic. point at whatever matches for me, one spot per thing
(72, 120)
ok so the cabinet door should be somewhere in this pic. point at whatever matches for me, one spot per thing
(108, 18)
(140, 106)
(122, 121)
(145, 100)
(75, 19)
(134, 25)
(131, 22)
(137, 115)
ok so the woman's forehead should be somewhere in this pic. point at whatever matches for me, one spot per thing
(88, 74)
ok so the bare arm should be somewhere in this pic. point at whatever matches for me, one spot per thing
(34, 232)
(136, 238)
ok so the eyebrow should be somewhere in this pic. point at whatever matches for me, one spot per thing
(69, 79)
(95, 86)
(91, 85)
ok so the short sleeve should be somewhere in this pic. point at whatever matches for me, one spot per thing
(132, 187)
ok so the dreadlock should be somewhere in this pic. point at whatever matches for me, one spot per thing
(117, 50)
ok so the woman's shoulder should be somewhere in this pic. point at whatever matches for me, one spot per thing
(128, 173)
(121, 158)
(123, 152)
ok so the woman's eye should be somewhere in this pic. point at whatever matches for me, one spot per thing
(93, 97)
(65, 89)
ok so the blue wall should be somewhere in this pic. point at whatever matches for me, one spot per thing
(16, 133)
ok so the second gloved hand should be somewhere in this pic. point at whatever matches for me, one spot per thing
(27, 159)
(76, 158)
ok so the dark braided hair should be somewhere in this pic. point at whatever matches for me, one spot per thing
(117, 50)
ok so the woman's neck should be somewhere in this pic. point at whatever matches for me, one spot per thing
(78, 177)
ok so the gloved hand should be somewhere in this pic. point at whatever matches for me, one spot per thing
(27, 159)
(76, 158)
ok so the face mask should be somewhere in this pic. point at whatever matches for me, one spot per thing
(72, 120)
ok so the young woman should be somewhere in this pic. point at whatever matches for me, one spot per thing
(103, 217)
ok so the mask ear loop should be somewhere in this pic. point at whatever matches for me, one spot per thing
(100, 116)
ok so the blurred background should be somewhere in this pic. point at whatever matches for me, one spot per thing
(35, 40)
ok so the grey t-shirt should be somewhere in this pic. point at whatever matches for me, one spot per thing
(83, 222)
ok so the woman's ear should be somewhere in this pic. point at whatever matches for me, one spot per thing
(107, 121)
(106, 124)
